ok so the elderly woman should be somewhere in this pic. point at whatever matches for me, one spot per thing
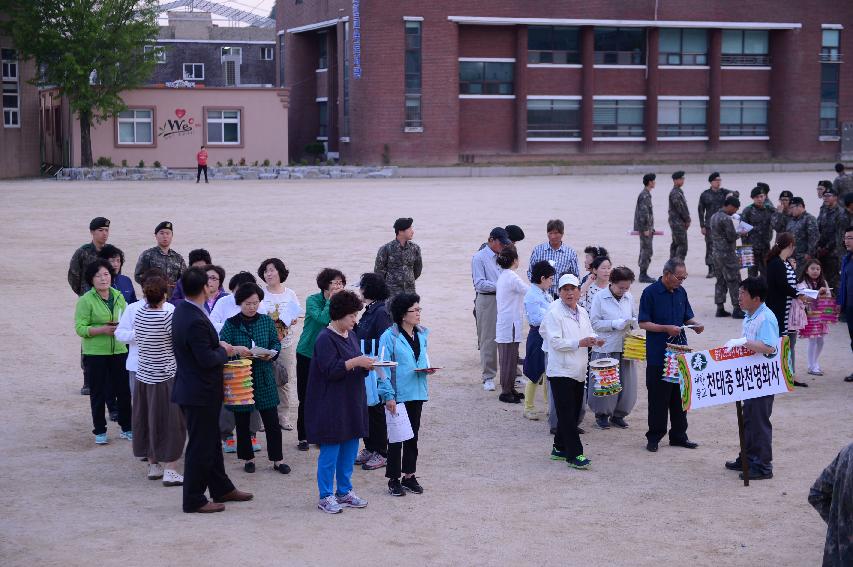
(406, 344)
(510, 292)
(215, 279)
(537, 300)
(121, 282)
(249, 329)
(95, 319)
(374, 321)
(611, 316)
(158, 423)
(566, 334)
(337, 406)
(330, 282)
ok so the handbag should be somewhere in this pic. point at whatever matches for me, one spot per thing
(797, 318)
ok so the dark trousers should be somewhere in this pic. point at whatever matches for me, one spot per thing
(831, 268)
(303, 368)
(664, 400)
(759, 268)
(198, 173)
(408, 450)
(848, 312)
(568, 401)
(377, 440)
(107, 376)
(271, 429)
(758, 433)
(203, 465)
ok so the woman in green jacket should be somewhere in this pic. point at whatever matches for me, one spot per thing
(95, 319)
(330, 281)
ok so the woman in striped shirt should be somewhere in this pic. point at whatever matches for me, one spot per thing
(157, 422)
(781, 282)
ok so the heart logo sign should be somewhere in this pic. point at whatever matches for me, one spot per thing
(180, 112)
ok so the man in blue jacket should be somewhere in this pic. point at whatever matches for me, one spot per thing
(845, 291)
(200, 358)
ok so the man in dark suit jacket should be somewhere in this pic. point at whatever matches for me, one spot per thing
(200, 357)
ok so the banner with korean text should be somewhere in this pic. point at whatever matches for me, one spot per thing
(722, 376)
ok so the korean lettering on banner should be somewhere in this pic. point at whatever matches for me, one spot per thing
(722, 376)
(356, 39)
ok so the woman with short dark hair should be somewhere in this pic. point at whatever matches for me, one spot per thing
(330, 281)
(510, 290)
(336, 414)
(121, 282)
(537, 300)
(215, 279)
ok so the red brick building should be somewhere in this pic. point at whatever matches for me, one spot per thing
(514, 80)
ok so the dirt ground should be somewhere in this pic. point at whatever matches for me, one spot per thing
(492, 495)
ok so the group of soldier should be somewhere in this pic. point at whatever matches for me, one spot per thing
(818, 238)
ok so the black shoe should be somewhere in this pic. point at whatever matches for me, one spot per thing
(509, 399)
(734, 465)
(249, 467)
(411, 484)
(687, 444)
(737, 313)
(652, 447)
(757, 475)
(518, 395)
(619, 422)
(282, 468)
(303, 446)
(553, 431)
(395, 488)
(710, 275)
(644, 278)
(721, 312)
(602, 423)
(581, 430)
(803, 384)
(84, 391)
(113, 416)
(848, 378)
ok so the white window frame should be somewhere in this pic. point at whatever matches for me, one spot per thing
(136, 121)
(265, 51)
(745, 137)
(191, 76)
(236, 54)
(223, 121)
(11, 114)
(158, 50)
(676, 137)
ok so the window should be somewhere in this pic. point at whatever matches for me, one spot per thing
(553, 118)
(829, 99)
(553, 45)
(135, 126)
(266, 54)
(193, 71)
(830, 41)
(485, 78)
(322, 51)
(683, 47)
(223, 127)
(159, 52)
(323, 112)
(414, 118)
(618, 118)
(681, 118)
(10, 89)
(745, 47)
(231, 71)
(743, 118)
(620, 46)
(231, 54)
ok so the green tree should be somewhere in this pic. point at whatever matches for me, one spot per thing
(91, 49)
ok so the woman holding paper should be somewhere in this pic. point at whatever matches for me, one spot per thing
(406, 344)
(336, 414)
(244, 331)
(781, 290)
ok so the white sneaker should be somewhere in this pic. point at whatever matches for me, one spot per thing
(155, 471)
(330, 505)
(531, 415)
(489, 385)
(363, 456)
(172, 478)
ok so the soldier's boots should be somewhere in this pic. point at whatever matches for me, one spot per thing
(644, 278)
(737, 313)
(721, 311)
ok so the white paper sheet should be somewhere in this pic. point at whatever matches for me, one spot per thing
(399, 426)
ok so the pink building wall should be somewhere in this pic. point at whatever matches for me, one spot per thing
(179, 127)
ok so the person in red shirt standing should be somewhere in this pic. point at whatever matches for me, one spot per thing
(201, 158)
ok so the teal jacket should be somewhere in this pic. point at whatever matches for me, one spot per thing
(92, 311)
(407, 384)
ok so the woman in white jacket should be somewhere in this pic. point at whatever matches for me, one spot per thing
(566, 334)
(510, 292)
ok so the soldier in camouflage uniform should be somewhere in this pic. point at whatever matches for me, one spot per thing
(803, 226)
(99, 227)
(710, 201)
(399, 261)
(783, 212)
(832, 497)
(161, 256)
(644, 223)
(679, 217)
(726, 265)
(843, 184)
(828, 252)
(760, 216)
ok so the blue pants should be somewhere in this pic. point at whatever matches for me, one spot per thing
(336, 461)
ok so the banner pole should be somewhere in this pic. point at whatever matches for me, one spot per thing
(744, 463)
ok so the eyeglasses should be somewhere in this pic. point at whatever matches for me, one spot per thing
(679, 278)
(415, 310)
(213, 278)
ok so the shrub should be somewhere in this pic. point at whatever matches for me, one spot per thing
(315, 149)
(278, 163)
(266, 163)
(124, 163)
(242, 161)
(157, 164)
(141, 164)
(219, 164)
(104, 162)
(230, 162)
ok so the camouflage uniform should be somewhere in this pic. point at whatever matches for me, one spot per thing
(172, 264)
(780, 222)
(84, 256)
(832, 497)
(679, 218)
(726, 265)
(828, 251)
(710, 202)
(644, 221)
(760, 235)
(399, 265)
(805, 234)
(843, 184)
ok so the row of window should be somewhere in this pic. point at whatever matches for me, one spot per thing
(559, 118)
(266, 53)
(830, 56)
(195, 72)
(136, 126)
(11, 88)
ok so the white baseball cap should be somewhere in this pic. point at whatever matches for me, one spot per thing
(568, 279)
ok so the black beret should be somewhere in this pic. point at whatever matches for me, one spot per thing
(825, 183)
(402, 224)
(713, 176)
(797, 201)
(99, 222)
(756, 191)
(162, 225)
(515, 233)
(830, 191)
(786, 195)
(677, 175)
(765, 187)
